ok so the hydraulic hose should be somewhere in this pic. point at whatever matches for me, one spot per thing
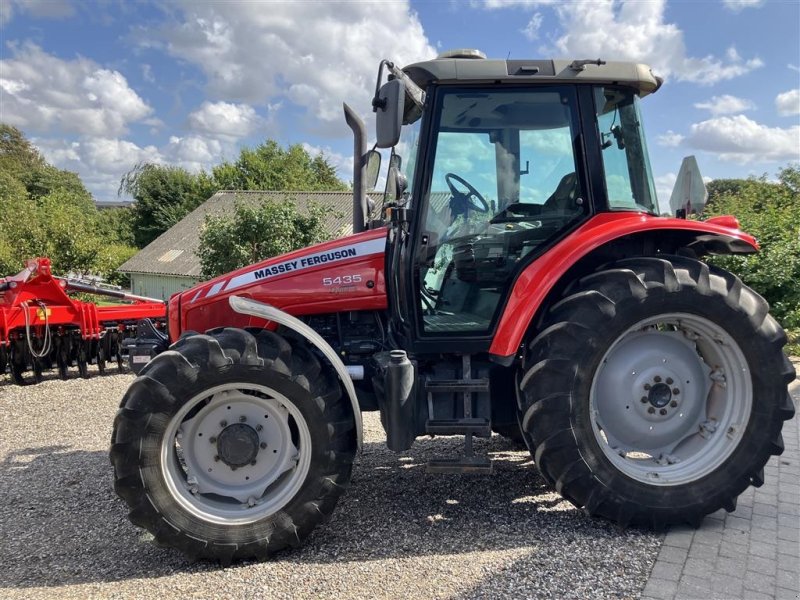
(46, 345)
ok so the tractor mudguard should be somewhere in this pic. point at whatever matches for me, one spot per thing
(719, 235)
(264, 311)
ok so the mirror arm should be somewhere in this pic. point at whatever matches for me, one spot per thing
(377, 101)
(413, 92)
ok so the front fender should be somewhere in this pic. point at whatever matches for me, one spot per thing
(715, 236)
(270, 313)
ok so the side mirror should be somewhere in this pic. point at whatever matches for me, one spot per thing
(396, 182)
(373, 169)
(389, 104)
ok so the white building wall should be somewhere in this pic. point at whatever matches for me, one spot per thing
(159, 286)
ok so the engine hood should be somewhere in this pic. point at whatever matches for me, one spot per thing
(340, 275)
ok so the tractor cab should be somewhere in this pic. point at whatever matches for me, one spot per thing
(497, 161)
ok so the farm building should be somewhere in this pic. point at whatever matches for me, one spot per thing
(169, 264)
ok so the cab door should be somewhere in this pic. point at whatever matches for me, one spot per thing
(504, 181)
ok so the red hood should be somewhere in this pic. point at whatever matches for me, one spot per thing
(343, 274)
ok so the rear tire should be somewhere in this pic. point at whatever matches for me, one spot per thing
(242, 489)
(609, 432)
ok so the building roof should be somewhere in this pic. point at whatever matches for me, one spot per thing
(173, 252)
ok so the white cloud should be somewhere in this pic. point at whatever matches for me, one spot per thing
(194, 152)
(317, 53)
(664, 184)
(636, 31)
(147, 73)
(99, 161)
(41, 9)
(725, 105)
(531, 30)
(739, 5)
(225, 120)
(788, 103)
(44, 92)
(739, 139)
(670, 139)
(491, 4)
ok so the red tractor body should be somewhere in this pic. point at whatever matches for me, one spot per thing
(347, 274)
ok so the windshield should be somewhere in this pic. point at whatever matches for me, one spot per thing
(629, 181)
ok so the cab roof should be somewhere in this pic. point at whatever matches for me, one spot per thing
(469, 66)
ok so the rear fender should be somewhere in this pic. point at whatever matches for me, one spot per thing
(606, 237)
(270, 313)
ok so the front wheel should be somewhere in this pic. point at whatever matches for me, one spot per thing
(656, 392)
(233, 445)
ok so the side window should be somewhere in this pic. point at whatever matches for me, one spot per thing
(629, 181)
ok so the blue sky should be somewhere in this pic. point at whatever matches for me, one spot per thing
(100, 86)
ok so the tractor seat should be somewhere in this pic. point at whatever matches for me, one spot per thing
(564, 196)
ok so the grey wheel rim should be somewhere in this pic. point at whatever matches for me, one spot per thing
(671, 399)
(236, 453)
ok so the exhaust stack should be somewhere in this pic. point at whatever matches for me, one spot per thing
(359, 168)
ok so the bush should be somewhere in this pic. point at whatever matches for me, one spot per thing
(770, 212)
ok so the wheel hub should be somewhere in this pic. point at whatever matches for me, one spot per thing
(660, 395)
(238, 445)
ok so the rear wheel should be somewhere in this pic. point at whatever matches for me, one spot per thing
(656, 391)
(233, 445)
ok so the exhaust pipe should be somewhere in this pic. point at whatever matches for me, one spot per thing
(359, 168)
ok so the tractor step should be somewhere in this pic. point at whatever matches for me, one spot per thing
(457, 385)
(479, 427)
(462, 464)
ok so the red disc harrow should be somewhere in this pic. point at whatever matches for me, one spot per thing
(43, 327)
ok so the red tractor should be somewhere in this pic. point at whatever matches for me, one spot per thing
(518, 279)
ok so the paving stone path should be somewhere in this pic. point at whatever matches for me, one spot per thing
(751, 553)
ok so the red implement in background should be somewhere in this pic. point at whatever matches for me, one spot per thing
(42, 326)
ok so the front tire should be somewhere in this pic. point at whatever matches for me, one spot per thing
(656, 392)
(233, 445)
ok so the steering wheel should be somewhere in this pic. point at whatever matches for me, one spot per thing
(473, 196)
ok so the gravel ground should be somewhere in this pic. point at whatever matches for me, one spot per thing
(397, 533)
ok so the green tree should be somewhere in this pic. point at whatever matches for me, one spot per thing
(770, 211)
(256, 232)
(162, 195)
(270, 167)
(45, 211)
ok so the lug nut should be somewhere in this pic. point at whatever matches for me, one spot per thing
(216, 458)
(223, 423)
(673, 404)
(252, 462)
(651, 410)
(242, 419)
(647, 386)
(663, 411)
(263, 445)
(212, 440)
(669, 380)
(233, 468)
(657, 379)
(676, 391)
(644, 399)
(259, 427)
